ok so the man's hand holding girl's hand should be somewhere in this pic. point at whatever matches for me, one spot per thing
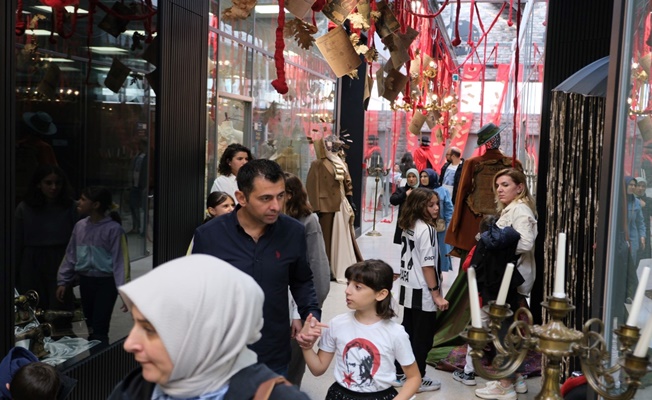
(310, 332)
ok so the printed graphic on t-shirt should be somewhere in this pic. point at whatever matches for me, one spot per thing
(406, 245)
(362, 360)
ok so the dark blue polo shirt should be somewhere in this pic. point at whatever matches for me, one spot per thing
(277, 261)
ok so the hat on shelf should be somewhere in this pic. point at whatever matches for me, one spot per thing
(40, 122)
(487, 132)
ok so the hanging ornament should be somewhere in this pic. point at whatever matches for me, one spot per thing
(20, 22)
(59, 11)
(279, 83)
(457, 40)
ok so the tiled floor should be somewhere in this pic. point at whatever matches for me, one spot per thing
(381, 247)
(372, 247)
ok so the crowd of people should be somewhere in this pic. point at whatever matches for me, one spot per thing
(258, 272)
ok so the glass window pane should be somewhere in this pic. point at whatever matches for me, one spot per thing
(630, 234)
(90, 111)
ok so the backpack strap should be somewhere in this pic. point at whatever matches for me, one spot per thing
(265, 389)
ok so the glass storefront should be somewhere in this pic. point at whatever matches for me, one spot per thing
(243, 107)
(84, 104)
(630, 247)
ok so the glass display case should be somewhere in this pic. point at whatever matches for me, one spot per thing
(85, 104)
(629, 250)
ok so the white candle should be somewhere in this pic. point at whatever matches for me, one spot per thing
(476, 320)
(559, 290)
(644, 341)
(638, 298)
(504, 286)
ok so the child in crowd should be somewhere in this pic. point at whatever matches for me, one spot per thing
(218, 203)
(35, 381)
(420, 278)
(366, 342)
(97, 253)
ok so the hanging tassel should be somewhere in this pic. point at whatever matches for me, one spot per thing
(20, 21)
(279, 83)
(511, 8)
(469, 41)
(456, 42)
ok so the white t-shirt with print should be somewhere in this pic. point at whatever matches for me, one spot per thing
(419, 248)
(365, 354)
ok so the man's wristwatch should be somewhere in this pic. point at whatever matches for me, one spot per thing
(433, 289)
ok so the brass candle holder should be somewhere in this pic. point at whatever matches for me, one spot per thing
(556, 341)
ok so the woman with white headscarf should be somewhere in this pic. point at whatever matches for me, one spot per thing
(400, 195)
(193, 319)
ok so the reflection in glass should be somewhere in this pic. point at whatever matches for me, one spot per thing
(84, 106)
(631, 232)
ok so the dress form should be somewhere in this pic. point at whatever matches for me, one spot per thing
(327, 185)
(226, 135)
(288, 160)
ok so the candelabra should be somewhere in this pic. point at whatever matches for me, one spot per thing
(377, 171)
(556, 341)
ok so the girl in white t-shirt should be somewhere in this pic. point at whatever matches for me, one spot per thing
(420, 278)
(365, 342)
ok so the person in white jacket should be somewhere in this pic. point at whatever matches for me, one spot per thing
(517, 209)
(234, 157)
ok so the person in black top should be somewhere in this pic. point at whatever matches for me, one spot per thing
(451, 171)
(259, 240)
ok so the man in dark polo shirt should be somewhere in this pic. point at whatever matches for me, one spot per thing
(271, 247)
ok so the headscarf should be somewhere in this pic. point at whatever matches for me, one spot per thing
(206, 312)
(416, 173)
(433, 178)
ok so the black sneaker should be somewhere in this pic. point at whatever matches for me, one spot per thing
(467, 379)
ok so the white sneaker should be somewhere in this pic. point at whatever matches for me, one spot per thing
(520, 386)
(495, 391)
(428, 385)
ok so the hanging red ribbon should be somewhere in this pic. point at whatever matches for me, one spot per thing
(20, 21)
(517, 65)
(456, 42)
(279, 83)
(469, 41)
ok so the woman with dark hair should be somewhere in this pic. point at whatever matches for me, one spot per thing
(365, 342)
(407, 162)
(298, 207)
(234, 157)
(44, 223)
(429, 179)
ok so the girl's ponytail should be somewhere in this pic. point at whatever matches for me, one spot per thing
(116, 217)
